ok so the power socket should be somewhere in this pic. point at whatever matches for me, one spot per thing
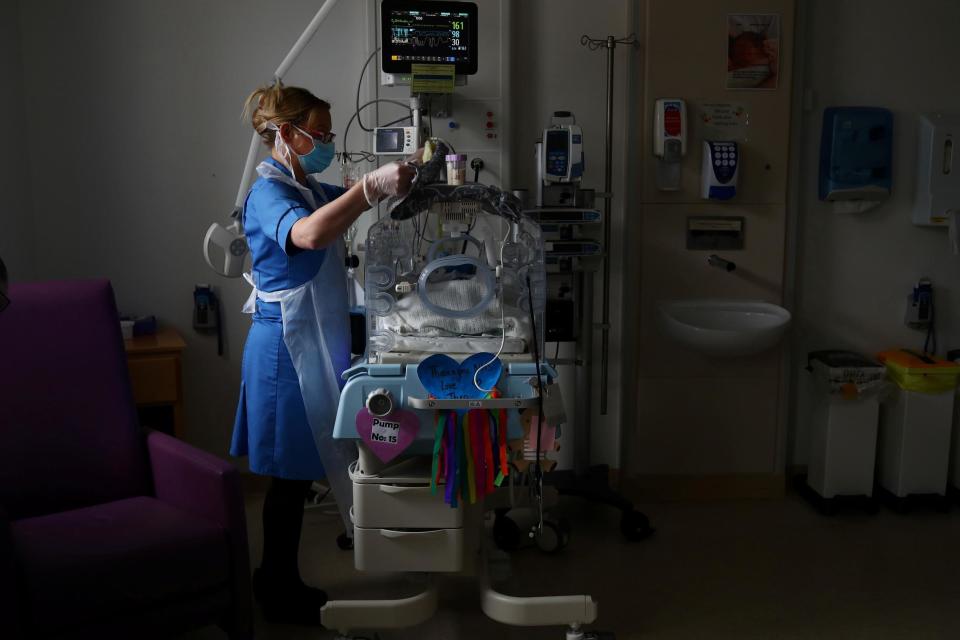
(919, 313)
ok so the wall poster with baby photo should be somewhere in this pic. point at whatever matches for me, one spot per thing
(753, 50)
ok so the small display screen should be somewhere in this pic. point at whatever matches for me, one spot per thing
(428, 33)
(389, 140)
(558, 152)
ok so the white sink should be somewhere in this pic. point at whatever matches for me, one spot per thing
(723, 327)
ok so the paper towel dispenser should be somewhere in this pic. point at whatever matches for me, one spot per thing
(938, 171)
(856, 152)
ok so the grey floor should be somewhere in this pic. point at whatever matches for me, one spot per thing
(750, 569)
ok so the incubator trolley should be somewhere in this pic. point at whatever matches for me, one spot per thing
(455, 292)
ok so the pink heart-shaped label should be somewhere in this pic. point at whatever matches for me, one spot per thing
(390, 435)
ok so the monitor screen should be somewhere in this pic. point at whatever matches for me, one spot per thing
(389, 140)
(427, 32)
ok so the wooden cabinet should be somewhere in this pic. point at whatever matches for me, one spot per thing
(155, 375)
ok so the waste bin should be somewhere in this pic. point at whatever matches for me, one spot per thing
(843, 424)
(916, 421)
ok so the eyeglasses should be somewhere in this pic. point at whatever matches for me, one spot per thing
(319, 136)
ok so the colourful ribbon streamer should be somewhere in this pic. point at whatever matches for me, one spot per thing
(470, 467)
(438, 436)
(454, 448)
(470, 454)
(488, 453)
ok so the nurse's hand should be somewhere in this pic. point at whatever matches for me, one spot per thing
(389, 180)
(416, 157)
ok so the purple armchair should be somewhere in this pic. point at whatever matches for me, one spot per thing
(105, 531)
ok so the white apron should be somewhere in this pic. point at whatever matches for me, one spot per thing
(316, 332)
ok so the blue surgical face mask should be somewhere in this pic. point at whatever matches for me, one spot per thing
(319, 159)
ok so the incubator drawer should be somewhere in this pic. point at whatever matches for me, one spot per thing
(398, 506)
(392, 550)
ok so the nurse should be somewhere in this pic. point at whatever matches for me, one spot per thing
(299, 342)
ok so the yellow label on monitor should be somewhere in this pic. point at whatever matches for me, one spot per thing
(432, 78)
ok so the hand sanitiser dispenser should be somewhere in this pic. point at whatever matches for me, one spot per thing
(937, 201)
(669, 141)
(938, 170)
(721, 167)
(856, 145)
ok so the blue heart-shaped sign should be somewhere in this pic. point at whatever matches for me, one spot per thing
(446, 379)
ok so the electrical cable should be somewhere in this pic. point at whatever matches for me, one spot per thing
(430, 113)
(541, 422)
(931, 331)
(398, 121)
(356, 114)
(359, 83)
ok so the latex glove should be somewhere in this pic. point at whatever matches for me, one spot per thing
(416, 157)
(389, 180)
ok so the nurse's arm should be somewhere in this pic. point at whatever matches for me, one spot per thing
(330, 221)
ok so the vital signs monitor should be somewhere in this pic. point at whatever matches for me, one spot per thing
(417, 32)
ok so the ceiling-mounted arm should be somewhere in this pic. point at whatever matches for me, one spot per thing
(288, 61)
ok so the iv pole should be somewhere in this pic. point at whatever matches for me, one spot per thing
(610, 44)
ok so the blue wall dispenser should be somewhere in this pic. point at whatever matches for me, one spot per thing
(856, 156)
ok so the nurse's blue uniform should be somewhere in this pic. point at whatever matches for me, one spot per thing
(271, 425)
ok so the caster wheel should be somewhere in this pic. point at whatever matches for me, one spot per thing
(635, 526)
(551, 538)
(506, 534)
(344, 543)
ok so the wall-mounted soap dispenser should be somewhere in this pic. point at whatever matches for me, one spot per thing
(669, 141)
(938, 171)
(856, 153)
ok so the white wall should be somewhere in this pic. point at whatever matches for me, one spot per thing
(855, 271)
(16, 233)
(134, 113)
(552, 71)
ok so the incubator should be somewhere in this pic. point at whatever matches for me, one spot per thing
(453, 270)
(455, 293)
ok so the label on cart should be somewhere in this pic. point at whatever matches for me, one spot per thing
(390, 435)
(385, 431)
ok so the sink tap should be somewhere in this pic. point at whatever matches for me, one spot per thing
(716, 261)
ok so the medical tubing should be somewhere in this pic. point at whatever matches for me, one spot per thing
(503, 327)
(483, 274)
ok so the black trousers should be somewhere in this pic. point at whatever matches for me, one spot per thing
(282, 524)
